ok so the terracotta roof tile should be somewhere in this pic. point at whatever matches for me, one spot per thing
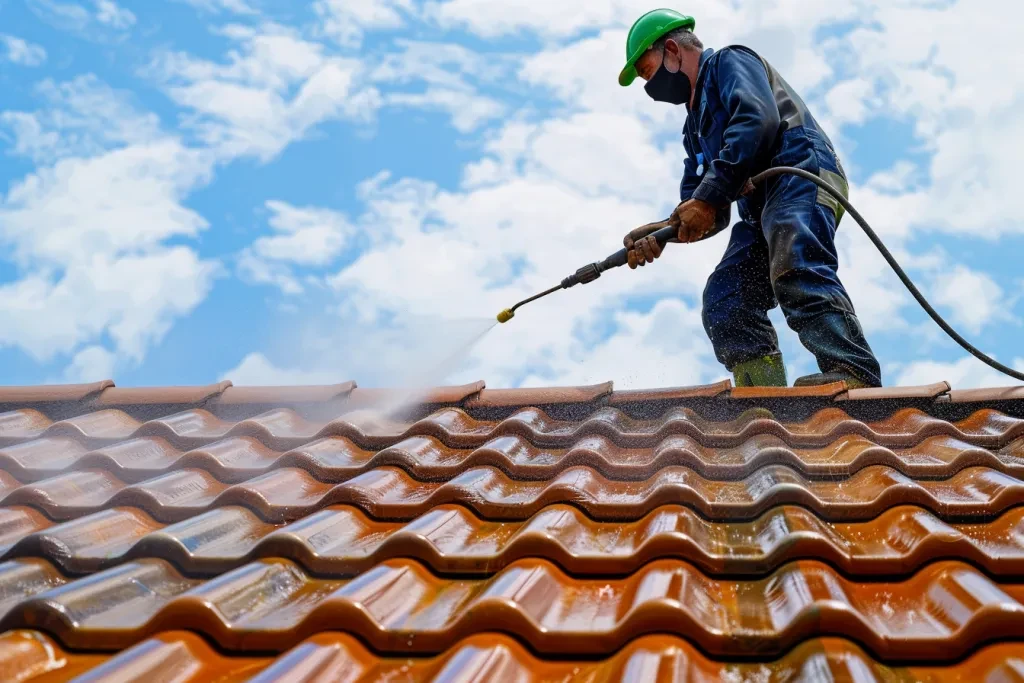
(33, 656)
(343, 541)
(781, 526)
(332, 656)
(269, 605)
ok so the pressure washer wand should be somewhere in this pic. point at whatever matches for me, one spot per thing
(592, 271)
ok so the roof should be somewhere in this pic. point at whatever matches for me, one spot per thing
(576, 533)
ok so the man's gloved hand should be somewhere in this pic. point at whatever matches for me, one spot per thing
(643, 248)
(694, 219)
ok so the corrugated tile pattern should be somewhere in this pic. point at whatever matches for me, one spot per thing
(580, 534)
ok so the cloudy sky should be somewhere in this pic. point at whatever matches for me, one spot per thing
(277, 192)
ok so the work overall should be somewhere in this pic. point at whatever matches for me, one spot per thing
(745, 119)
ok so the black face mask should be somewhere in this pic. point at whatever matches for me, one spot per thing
(666, 86)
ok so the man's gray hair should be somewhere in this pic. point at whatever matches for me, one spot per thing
(683, 36)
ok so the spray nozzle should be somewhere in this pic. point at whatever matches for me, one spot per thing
(506, 315)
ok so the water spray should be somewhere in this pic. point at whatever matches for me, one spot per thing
(593, 271)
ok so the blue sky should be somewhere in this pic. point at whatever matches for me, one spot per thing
(298, 192)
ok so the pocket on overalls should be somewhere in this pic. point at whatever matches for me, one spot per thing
(825, 198)
(835, 178)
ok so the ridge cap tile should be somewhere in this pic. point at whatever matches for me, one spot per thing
(831, 390)
(927, 391)
(132, 396)
(361, 398)
(52, 393)
(501, 398)
(242, 395)
(669, 393)
(987, 395)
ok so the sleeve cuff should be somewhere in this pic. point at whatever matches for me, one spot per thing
(712, 194)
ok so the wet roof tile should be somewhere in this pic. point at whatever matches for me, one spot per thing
(806, 530)
(941, 613)
(333, 656)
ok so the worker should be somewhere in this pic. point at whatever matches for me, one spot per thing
(743, 118)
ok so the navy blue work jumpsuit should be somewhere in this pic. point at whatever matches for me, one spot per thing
(745, 119)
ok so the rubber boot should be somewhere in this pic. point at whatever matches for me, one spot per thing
(768, 371)
(820, 378)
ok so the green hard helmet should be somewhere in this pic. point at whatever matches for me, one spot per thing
(648, 29)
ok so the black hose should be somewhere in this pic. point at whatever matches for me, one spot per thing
(787, 170)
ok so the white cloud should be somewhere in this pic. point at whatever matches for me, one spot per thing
(91, 364)
(256, 370)
(306, 237)
(82, 117)
(132, 298)
(346, 21)
(95, 20)
(851, 102)
(19, 51)
(555, 19)
(468, 111)
(966, 373)
(963, 103)
(974, 297)
(273, 90)
(110, 13)
(665, 347)
(453, 76)
(125, 200)
(236, 6)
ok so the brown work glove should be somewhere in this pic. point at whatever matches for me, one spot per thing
(694, 219)
(643, 249)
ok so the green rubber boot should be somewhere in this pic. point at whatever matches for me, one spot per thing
(769, 371)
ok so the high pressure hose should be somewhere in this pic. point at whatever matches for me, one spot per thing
(593, 271)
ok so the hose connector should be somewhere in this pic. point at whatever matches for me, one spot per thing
(506, 315)
(583, 276)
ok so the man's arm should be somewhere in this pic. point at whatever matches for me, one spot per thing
(751, 131)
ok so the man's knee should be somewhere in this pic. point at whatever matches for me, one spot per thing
(805, 294)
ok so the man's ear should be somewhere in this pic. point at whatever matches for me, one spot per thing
(673, 56)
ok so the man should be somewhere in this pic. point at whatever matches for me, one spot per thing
(742, 118)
